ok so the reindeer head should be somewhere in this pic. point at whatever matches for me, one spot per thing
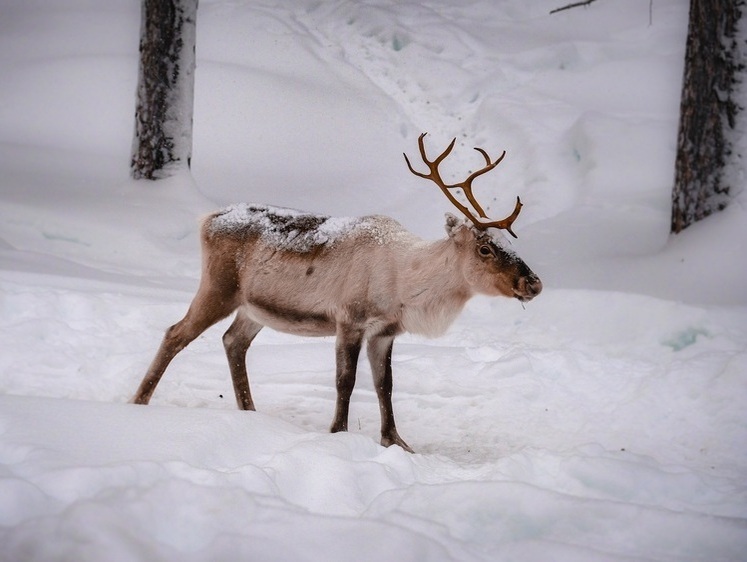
(491, 266)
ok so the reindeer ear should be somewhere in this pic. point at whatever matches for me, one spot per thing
(453, 225)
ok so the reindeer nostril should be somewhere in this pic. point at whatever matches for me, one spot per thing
(534, 286)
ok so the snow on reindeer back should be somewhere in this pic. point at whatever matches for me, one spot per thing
(289, 229)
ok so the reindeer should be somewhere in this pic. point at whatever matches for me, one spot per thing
(359, 279)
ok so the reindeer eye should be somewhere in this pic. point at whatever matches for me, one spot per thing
(485, 250)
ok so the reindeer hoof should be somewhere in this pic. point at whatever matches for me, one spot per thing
(396, 440)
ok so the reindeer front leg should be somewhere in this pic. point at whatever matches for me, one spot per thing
(380, 357)
(347, 348)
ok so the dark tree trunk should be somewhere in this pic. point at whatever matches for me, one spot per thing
(163, 117)
(708, 111)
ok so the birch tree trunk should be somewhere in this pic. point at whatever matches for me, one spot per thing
(162, 142)
(708, 111)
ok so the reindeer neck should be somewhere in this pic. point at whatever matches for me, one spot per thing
(434, 289)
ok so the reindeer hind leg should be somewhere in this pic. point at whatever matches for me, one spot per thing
(207, 308)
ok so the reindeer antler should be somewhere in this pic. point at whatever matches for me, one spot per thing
(466, 186)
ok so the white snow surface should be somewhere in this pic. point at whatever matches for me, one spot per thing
(606, 421)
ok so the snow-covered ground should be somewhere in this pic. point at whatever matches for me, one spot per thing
(606, 421)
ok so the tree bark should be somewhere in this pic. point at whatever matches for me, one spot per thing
(162, 143)
(708, 111)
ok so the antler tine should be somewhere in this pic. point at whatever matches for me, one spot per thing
(432, 166)
(435, 177)
(466, 186)
(440, 158)
(506, 223)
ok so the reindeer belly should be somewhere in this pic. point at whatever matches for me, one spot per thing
(284, 317)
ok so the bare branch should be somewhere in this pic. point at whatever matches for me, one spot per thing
(573, 5)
